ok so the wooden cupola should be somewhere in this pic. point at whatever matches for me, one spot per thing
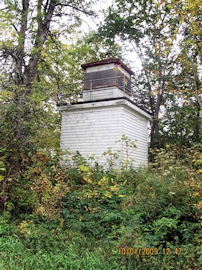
(107, 78)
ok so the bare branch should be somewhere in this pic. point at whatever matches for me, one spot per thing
(15, 28)
(77, 9)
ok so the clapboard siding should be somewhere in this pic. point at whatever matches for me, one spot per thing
(91, 131)
(135, 127)
(91, 128)
(103, 93)
(97, 94)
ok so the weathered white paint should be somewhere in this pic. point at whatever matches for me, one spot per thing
(136, 128)
(92, 127)
(103, 93)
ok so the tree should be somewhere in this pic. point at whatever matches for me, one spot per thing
(32, 25)
(35, 65)
(182, 122)
(31, 36)
(151, 29)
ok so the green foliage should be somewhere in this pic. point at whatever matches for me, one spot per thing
(48, 249)
(166, 37)
(86, 212)
(37, 72)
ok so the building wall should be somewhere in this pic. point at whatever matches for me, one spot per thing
(103, 93)
(98, 94)
(135, 126)
(92, 130)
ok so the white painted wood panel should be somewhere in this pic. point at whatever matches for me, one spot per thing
(135, 127)
(103, 93)
(91, 131)
(91, 128)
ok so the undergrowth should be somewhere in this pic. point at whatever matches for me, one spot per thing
(83, 217)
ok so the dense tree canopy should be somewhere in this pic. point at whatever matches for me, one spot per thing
(166, 37)
(33, 65)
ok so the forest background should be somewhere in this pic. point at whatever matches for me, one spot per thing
(84, 216)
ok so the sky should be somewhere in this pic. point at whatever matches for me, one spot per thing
(90, 24)
(99, 7)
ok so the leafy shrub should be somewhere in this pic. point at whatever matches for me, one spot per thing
(80, 217)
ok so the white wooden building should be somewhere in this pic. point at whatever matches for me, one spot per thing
(105, 114)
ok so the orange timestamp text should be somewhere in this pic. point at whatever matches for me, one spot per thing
(148, 251)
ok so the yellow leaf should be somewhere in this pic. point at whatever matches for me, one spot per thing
(114, 188)
(88, 180)
(108, 194)
(84, 168)
(199, 171)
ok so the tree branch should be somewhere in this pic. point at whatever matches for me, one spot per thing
(77, 8)
(40, 38)
(21, 42)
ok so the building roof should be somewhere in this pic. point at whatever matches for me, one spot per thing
(108, 61)
(117, 100)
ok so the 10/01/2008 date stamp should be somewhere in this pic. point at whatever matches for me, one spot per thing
(148, 251)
